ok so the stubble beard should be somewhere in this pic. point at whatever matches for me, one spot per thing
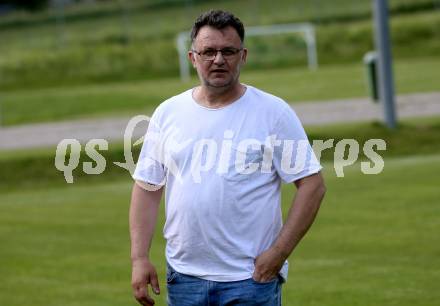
(222, 87)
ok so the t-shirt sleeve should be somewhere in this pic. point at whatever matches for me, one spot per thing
(293, 156)
(150, 167)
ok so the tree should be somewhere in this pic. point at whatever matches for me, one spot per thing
(29, 5)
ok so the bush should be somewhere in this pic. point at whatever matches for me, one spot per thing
(29, 5)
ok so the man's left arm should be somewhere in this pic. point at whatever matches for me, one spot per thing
(302, 213)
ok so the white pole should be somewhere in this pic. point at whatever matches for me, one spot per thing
(311, 49)
(183, 61)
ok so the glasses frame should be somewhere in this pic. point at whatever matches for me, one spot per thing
(226, 57)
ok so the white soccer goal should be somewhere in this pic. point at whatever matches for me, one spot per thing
(306, 29)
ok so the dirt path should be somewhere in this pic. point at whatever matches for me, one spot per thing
(310, 113)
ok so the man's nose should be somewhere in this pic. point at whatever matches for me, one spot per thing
(218, 59)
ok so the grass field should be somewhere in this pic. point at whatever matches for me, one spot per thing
(375, 242)
(128, 98)
(34, 168)
(96, 45)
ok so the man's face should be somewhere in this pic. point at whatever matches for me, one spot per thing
(219, 72)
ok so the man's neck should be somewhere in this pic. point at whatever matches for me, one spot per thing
(216, 97)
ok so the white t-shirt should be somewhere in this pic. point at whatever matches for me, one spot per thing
(222, 169)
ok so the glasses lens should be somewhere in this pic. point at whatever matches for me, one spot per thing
(228, 52)
(210, 54)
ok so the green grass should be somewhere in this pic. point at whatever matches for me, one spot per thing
(374, 242)
(35, 54)
(24, 169)
(298, 10)
(129, 98)
(412, 137)
(55, 104)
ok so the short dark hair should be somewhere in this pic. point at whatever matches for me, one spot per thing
(217, 19)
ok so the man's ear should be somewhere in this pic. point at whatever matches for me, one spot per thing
(192, 58)
(244, 56)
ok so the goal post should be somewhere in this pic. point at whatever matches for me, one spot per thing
(306, 29)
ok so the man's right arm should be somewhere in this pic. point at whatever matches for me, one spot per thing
(144, 208)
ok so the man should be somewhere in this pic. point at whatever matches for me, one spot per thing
(221, 149)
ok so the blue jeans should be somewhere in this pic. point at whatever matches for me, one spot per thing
(186, 290)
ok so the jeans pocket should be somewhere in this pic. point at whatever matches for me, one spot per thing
(265, 293)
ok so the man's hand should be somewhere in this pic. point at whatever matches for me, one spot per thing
(144, 273)
(267, 265)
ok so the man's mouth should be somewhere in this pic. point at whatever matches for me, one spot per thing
(219, 71)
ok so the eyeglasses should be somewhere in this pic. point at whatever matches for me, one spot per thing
(210, 54)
